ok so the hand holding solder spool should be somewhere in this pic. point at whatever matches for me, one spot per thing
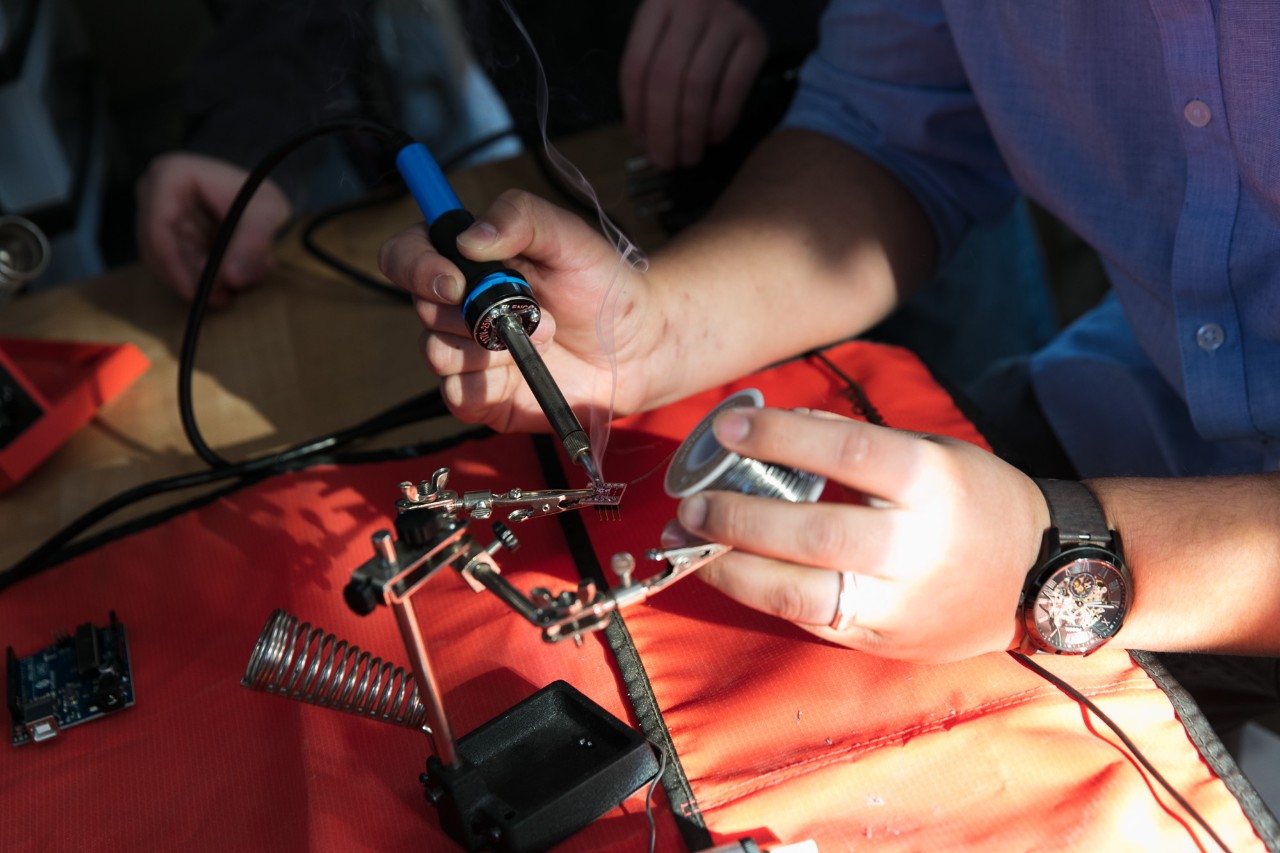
(936, 535)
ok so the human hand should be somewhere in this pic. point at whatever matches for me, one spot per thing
(182, 200)
(939, 549)
(686, 72)
(572, 269)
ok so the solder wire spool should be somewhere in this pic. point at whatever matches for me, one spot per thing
(703, 463)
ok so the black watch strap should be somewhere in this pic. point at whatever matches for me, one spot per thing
(1075, 512)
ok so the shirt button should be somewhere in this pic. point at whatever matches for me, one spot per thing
(1210, 336)
(1197, 113)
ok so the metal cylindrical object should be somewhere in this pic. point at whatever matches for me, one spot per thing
(24, 252)
(433, 705)
(296, 660)
(561, 417)
(702, 463)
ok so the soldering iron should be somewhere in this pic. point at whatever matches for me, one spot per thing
(499, 306)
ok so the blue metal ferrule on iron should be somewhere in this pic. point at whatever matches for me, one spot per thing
(493, 280)
(426, 182)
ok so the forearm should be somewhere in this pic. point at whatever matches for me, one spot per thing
(1205, 557)
(812, 242)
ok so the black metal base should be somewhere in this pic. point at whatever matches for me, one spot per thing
(538, 773)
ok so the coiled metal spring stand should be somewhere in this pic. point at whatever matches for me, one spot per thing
(293, 659)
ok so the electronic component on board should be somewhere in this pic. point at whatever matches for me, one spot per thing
(79, 678)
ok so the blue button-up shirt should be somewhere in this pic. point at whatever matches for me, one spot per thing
(1150, 128)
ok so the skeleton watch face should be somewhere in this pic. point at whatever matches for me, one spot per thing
(1081, 604)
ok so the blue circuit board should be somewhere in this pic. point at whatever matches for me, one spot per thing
(79, 678)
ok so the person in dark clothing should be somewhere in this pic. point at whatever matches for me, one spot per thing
(272, 69)
(698, 82)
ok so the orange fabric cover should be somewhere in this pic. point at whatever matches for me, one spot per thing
(70, 381)
(783, 737)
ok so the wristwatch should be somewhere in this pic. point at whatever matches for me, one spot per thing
(1078, 592)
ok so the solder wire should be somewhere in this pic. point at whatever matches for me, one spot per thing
(630, 256)
(701, 463)
(753, 477)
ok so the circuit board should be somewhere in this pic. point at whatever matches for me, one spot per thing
(77, 679)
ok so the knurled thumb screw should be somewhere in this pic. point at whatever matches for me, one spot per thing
(505, 536)
(362, 596)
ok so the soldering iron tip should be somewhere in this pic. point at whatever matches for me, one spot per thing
(588, 461)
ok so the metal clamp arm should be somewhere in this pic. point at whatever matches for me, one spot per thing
(594, 614)
(519, 504)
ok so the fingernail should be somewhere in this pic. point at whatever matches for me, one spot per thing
(478, 234)
(448, 288)
(692, 512)
(732, 426)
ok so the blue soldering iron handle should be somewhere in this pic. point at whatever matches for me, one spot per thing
(491, 287)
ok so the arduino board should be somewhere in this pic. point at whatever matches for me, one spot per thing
(79, 678)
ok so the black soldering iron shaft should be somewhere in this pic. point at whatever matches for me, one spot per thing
(565, 423)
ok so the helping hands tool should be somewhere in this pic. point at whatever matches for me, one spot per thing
(432, 533)
(499, 305)
(539, 771)
(468, 779)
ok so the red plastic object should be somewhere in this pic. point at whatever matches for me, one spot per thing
(54, 388)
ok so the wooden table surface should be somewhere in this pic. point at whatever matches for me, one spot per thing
(303, 354)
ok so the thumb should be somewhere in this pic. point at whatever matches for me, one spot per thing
(519, 223)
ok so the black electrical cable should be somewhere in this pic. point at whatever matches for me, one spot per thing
(47, 553)
(648, 796)
(421, 407)
(475, 146)
(50, 552)
(359, 276)
(1125, 739)
(853, 391)
(199, 304)
(390, 194)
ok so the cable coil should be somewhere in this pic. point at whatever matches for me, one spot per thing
(296, 660)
